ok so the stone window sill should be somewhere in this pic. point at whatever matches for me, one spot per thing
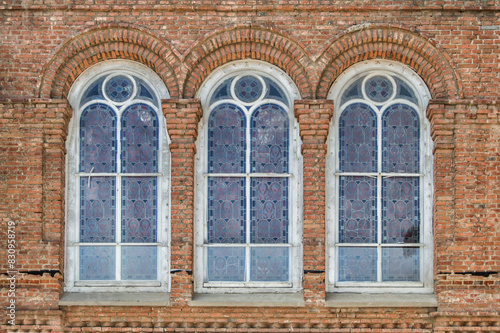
(115, 299)
(249, 300)
(344, 300)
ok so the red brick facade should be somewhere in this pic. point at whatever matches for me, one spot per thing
(453, 45)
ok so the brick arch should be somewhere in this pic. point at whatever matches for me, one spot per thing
(395, 44)
(258, 43)
(105, 43)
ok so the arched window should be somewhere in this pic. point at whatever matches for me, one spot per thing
(248, 236)
(380, 181)
(117, 181)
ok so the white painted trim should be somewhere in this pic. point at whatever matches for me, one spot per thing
(237, 69)
(407, 75)
(72, 284)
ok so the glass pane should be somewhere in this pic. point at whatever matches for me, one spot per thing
(401, 264)
(248, 89)
(93, 92)
(98, 139)
(275, 92)
(379, 88)
(269, 264)
(358, 139)
(97, 209)
(97, 262)
(119, 88)
(226, 140)
(139, 209)
(139, 262)
(226, 264)
(222, 91)
(404, 91)
(139, 139)
(358, 210)
(400, 210)
(269, 135)
(400, 139)
(145, 92)
(353, 92)
(357, 264)
(226, 210)
(269, 212)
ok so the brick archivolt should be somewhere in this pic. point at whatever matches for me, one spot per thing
(389, 43)
(106, 43)
(184, 74)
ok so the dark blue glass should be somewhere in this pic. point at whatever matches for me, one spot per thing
(269, 211)
(144, 92)
(269, 264)
(139, 209)
(248, 89)
(379, 88)
(222, 91)
(94, 92)
(358, 139)
(404, 91)
(358, 210)
(119, 88)
(98, 139)
(226, 210)
(226, 140)
(401, 210)
(139, 139)
(269, 135)
(353, 92)
(97, 209)
(275, 92)
(400, 139)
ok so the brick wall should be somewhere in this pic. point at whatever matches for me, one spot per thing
(453, 45)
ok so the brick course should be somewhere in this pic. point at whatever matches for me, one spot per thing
(453, 45)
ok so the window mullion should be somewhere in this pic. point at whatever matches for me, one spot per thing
(118, 205)
(247, 197)
(379, 197)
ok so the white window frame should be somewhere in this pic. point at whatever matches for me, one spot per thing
(72, 282)
(411, 78)
(241, 68)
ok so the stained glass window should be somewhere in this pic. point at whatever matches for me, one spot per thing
(378, 183)
(248, 190)
(119, 145)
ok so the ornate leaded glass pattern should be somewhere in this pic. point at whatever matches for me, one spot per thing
(378, 182)
(248, 206)
(118, 180)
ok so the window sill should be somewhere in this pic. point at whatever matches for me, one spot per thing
(344, 300)
(249, 300)
(115, 299)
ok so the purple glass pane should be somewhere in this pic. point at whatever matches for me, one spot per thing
(358, 210)
(139, 139)
(226, 264)
(139, 262)
(139, 209)
(358, 139)
(269, 135)
(379, 89)
(97, 262)
(269, 212)
(97, 209)
(357, 264)
(400, 210)
(226, 140)
(400, 139)
(98, 139)
(401, 264)
(119, 88)
(269, 264)
(248, 89)
(226, 210)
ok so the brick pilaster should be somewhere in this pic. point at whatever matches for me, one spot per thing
(314, 119)
(182, 117)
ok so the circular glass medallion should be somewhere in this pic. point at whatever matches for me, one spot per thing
(248, 89)
(379, 89)
(119, 88)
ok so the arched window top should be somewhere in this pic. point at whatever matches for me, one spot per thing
(247, 83)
